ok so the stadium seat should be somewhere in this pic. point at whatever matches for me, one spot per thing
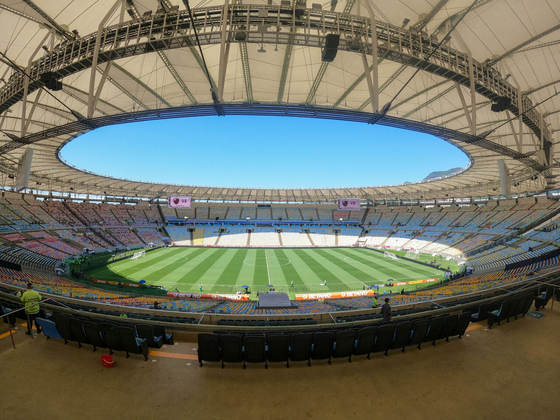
(160, 331)
(542, 299)
(131, 343)
(450, 326)
(463, 323)
(49, 328)
(232, 348)
(419, 330)
(402, 335)
(365, 341)
(208, 348)
(278, 348)
(300, 347)
(77, 332)
(255, 349)
(498, 315)
(344, 342)
(92, 332)
(435, 330)
(111, 337)
(384, 338)
(322, 346)
(147, 332)
(63, 326)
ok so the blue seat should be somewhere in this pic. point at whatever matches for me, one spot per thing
(49, 328)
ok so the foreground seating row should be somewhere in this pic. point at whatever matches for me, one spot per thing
(324, 345)
(113, 336)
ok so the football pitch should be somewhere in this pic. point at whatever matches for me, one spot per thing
(226, 270)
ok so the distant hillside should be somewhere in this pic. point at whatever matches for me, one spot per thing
(438, 174)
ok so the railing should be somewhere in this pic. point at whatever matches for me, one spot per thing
(324, 319)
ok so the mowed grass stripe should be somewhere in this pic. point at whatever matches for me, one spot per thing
(130, 266)
(157, 275)
(193, 276)
(170, 259)
(350, 280)
(407, 265)
(116, 271)
(275, 274)
(353, 270)
(386, 267)
(309, 278)
(185, 260)
(371, 267)
(333, 282)
(227, 279)
(260, 272)
(289, 271)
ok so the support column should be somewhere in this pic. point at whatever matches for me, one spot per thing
(95, 59)
(505, 181)
(373, 76)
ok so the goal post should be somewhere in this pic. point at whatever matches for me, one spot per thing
(390, 255)
(412, 255)
(138, 255)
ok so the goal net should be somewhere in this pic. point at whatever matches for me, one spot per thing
(390, 255)
(413, 255)
(138, 254)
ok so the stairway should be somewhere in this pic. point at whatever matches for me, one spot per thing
(248, 238)
(280, 239)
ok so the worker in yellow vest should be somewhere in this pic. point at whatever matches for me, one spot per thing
(31, 299)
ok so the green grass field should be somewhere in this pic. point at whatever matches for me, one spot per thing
(225, 270)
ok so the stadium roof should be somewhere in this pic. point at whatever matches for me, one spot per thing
(441, 65)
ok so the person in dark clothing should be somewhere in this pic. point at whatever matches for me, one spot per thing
(386, 310)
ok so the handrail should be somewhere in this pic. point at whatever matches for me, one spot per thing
(527, 285)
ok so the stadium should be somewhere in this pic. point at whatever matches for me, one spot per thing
(270, 294)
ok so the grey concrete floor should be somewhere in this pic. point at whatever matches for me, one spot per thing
(509, 372)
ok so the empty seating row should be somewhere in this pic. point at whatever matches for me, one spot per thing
(323, 345)
(113, 336)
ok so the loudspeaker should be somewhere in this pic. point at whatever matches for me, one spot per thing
(331, 47)
(501, 104)
(50, 81)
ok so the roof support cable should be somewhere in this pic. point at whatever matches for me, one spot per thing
(219, 108)
(507, 121)
(389, 104)
(18, 68)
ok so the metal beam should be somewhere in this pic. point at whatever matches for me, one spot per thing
(429, 101)
(246, 70)
(95, 59)
(429, 16)
(316, 82)
(523, 44)
(224, 52)
(49, 20)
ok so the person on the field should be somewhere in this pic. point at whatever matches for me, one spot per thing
(386, 310)
(31, 299)
(324, 283)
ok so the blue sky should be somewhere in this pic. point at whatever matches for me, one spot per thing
(262, 152)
